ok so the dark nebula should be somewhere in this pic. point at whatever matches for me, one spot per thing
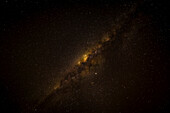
(84, 56)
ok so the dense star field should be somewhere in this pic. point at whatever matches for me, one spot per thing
(84, 56)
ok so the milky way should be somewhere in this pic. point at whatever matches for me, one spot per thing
(104, 56)
(89, 62)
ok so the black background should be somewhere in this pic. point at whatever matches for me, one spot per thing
(14, 12)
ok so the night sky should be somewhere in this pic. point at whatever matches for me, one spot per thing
(42, 42)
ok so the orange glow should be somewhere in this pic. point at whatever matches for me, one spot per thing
(79, 63)
(85, 58)
(106, 38)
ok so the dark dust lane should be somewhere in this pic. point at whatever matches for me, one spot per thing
(66, 95)
(80, 56)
